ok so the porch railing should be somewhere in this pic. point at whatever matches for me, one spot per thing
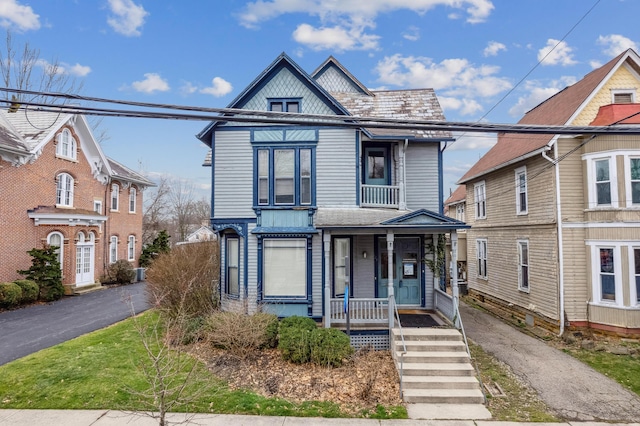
(361, 311)
(380, 196)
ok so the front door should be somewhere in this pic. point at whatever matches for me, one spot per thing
(407, 266)
(377, 168)
(84, 264)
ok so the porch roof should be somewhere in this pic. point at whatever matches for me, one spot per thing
(359, 218)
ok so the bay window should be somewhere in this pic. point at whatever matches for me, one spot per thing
(284, 176)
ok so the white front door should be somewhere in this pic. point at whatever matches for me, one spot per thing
(84, 264)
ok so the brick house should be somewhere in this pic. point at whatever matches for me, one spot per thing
(57, 187)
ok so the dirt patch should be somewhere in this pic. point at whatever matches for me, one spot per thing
(368, 379)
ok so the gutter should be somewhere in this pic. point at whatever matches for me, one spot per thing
(554, 144)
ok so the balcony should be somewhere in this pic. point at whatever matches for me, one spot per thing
(380, 196)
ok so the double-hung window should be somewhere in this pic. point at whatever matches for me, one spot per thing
(633, 189)
(603, 182)
(64, 190)
(232, 271)
(480, 200)
(481, 257)
(115, 195)
(113, 249)
(635, 275)
(523, 265)
(131, 248)
(284, 267)
(132, 200)
(602, 175)
(460, 212)
(341, 265)
(66, 145)
(284, 162)
(521, 191)
(607, 276)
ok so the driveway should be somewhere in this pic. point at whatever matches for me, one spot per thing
(573, 389)
(30, 329)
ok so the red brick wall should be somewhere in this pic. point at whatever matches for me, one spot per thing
(123, 223)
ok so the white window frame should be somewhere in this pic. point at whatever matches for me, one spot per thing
(64, 190)
(60, 250)
(460, 212)
(115, 197)
(596, 289)
(480, 199)
(615, 92)
(522, 263)
(131, 248)
(113, 249)
(633, 291)
(132, 199)
(522, 210)
(97, 206)
(481, 256)
(66, 145)
(628, 181)
(592, 183)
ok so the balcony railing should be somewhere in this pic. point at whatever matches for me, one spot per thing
(380, 196)
(361, 311)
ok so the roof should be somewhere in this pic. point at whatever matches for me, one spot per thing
(555, 111)
(26, 130)
(609, 115)
(384, 218)
(123, 173)
(458, 196)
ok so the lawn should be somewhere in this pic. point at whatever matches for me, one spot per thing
(101, 371)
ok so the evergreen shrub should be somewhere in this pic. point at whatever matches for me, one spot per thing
(10, 295)
(294, 338)
(30, 290)
(45, 271)
(330, 347)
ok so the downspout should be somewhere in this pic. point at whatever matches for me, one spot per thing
(559, 225)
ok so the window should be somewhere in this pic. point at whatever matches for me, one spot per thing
(284, 105)
(284, 176)
(66, 146)
(131, 248)
(635, 277)
(481, 255)
(341, 265)
(633, 192)
(115, 194)
(607, 278)
(603, 182)
(64, 190)
(623, 96)
(113, 249)
(523, 265)
(480, 200)
(132, 200)
(55, 239)
(232, 272)
(97, 206)
(284, 267)
(521, 190)
(460, 212)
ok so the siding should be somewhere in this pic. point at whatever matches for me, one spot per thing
(233, 191)
(336, 168)
(577, 276)
(363, 269)
(422, 177)
(316, 275)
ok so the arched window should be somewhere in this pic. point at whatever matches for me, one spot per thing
(113, 249)
(115, 193)
(132, 200)
(64, 190)
(131, 248)
(67, 146)
(55, 239)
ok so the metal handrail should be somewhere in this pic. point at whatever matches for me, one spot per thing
(458, 317)
(404, 345)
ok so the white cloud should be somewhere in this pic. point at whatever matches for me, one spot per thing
(78, 70)
(60, 68)
(595, 64)
(460, 85)
(188, 88)
(128, 17)
(152, 83)
(350, 18)
(335, 38)
(536, 93)
(615, 44)
(219, 87)
(469, 141)
(412, 33)
(556, 52)
(493, 48)
(16, 16)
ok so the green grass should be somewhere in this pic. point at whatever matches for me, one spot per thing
(100, 371)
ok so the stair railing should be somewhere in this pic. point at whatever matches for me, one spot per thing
(457, 320)
(404, 345)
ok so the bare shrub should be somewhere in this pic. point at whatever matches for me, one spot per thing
(184, 282)
(240, 334)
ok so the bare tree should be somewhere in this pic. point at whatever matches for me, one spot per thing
(181, 199)
(156, 210)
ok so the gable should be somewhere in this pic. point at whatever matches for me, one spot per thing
(426, 218)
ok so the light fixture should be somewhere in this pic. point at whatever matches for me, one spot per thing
(364, 254)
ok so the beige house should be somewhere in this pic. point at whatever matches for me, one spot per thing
(555, 234)
(455, 207)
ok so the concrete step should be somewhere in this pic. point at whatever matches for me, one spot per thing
(440, 382)
(433, 357)
(87, 289)
(421, 334)
(443, 396)
(432, 345)
(436, 369)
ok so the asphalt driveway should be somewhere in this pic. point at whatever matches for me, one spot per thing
(30, 329)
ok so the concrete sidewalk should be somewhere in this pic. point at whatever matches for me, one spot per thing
(116, 418)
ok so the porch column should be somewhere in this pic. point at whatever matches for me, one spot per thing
(390, 293)
(454, 277)
(326, 239)
(402, 203)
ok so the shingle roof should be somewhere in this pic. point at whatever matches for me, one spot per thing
(557, 110)
(460, 194)
(617, 114)
(121, 172)
(26, 130)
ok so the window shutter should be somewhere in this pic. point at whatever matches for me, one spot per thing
(622, 98)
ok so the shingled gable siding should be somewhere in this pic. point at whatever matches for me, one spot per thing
(233, 170)
(422, 176)
(336, 168)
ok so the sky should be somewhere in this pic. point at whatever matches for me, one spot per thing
(487, 60)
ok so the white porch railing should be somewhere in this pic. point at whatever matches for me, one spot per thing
(380, 196)
(361, 311)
